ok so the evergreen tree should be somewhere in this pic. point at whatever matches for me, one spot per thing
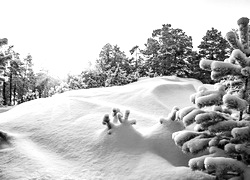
(137, 61)
(224, 129)
(75, 82)
(168, 51)
(94, 78)
(21, 78)
(105, 61)
(14, 72)
(114, 67)
(213, 46)
(44, 82)
(111, 57)
(3, 64)
(195, 72)
(28, 73)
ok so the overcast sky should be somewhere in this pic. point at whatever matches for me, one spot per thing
(64, 35)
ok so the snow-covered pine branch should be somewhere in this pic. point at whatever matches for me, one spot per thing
(233, 40)
(198, 162)
(241, 133)
(206, 97)
(3, 41)
(190, 117)
(218, 129)
(234, 102)
(195, 145)
(243, 34)
(223, 126)
(180, 137)
(183, 112)
(205, 64)
(245, 71)
(222, 166)
(226, 68)
(240, 57)
(211, 118)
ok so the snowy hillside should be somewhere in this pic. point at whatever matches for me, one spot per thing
(63, 137)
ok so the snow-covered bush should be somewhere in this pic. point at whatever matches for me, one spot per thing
(219, 120)
(117, 118)
(117, 76)
(61, 88)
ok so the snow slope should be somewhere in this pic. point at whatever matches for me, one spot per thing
(63, 137)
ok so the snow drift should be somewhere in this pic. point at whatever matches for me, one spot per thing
(63, 137)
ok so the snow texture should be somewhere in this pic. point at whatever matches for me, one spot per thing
(63, 137)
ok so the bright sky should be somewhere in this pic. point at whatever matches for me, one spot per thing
(64, 35)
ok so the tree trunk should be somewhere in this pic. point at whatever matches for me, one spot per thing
(14, 95)
(10, 89)
(244, 96)
(4, 94)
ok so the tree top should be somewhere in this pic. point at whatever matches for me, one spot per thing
(243, 20)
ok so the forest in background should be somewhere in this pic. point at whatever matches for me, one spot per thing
(169, 52)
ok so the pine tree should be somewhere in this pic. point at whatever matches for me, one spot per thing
(3, 63)
(2, 60)
(114, 68)
(214, 47)
(168, 52)
(219, 121)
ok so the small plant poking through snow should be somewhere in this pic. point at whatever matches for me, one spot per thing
(117, 117)
(3, 136)
(4, 140)
(224, 129)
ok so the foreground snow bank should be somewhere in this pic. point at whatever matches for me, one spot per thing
(63, 137)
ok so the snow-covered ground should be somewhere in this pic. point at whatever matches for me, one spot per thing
(63, 137)
(4, 109)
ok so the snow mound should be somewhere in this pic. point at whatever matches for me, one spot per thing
(63, 137)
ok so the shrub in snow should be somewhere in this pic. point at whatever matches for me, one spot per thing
(116, 114)
(117, 117)
(3, 136)
(106, 121)
(221, 116)
(118, 77)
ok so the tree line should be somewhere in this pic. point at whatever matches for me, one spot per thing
(169, 51)
(19, 82)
